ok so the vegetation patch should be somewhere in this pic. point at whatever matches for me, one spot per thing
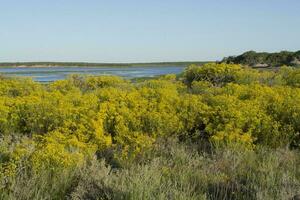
(218, 131)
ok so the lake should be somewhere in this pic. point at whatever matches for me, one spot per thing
(48, 74)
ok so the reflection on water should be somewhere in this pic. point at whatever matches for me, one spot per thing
(47, 74)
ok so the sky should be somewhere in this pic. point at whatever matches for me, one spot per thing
(145, 30)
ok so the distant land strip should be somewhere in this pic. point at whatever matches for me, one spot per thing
(250, 58)
(88, 64)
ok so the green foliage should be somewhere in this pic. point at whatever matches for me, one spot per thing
(217, 74)
(263, 59)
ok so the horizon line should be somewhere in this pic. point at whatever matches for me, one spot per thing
(88, 62)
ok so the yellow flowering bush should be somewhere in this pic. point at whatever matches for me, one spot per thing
(217, 74)
(62, 124)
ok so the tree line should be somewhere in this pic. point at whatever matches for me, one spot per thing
(264, 59)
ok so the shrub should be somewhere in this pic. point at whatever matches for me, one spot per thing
(217, 74)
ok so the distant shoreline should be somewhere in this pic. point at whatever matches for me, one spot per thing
(82, 64)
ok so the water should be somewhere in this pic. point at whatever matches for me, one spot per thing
(48, 74)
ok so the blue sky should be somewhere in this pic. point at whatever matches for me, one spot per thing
(145, 30)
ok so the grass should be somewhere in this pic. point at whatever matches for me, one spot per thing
(172, 170)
